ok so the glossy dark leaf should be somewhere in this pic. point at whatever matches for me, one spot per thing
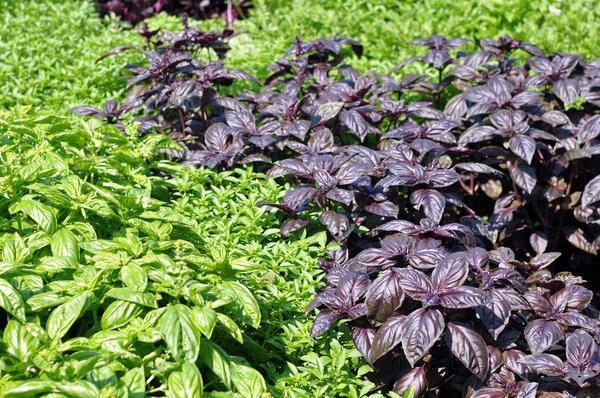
(415, 378)
(523, 146)
(462, 297)
(414, 283)
(388, 336)
(591, 192)
(547, 364)
(362, 338)
(495, 313)
(292, 225)
(384, 296)
(542, 334)
(582, 350)
(450, 273)
(355, 122)
(324, 321)
(421, 329)
(524, 176)
(337, 224)
(469, 348)
(431, 201)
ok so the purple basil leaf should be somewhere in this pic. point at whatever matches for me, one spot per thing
(479, 168)
(363, 338)
(543, 260)
(414, 283)
(352, 287)
(292, 225)
(450, 273)
(384, 296)
(523, 146)
(591, 192)
(495, 313)
(489, 392)
(388, 336)
(340, 195)
(355, 122)
(470, 348)
(578, 297)
(581, 349)
(590, 129)
(422, 328)
(555, 118)
(442, 178)
(324, 321)
(384, 209)
(337, 224)
(415, 378)
(402, 226)
(476, 134)
(538, 242)
(527, 390)
(298, 198)
(567, 90)
(524, 176)
(542, 334)
(547, 364)
(462, 297)
(431, 201)
(327, 111)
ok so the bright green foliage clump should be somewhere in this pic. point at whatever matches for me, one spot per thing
(48, 48)
(48, 51)
(118, 280)
(387, 27)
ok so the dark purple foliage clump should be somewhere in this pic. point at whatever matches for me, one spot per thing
(135, 11)
(465, 200)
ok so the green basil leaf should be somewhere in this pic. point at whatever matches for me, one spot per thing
(179, 332)
(11, 300)
(205, 319)
(186, 383)
(64, 244)
(64, 316)
(119, 313)
(133, 296)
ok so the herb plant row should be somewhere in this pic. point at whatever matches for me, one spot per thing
(465, 197)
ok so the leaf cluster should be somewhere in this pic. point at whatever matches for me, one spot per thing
(135, 11)
(120, 280)
(452, 192)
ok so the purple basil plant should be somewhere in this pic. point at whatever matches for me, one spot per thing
(465, 200)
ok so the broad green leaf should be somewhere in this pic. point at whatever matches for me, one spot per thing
(11, 300)
(205, 319)
(64, 244)
(46, 300)
(231, 327)
(179, 332)
(216, 360)
(133, 296)
(248, 381)
(185, 383)
(20, 343)
(40, 213)
(119, 313)
(64, 316)
(14, 249)
(135, 381)
(31, 388)
(78, 389)
(244, 299)
(134, 276)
